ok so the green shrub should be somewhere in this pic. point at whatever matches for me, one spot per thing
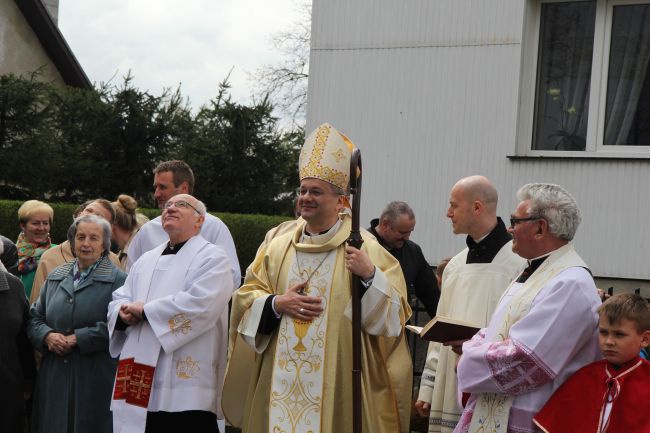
(247, 230)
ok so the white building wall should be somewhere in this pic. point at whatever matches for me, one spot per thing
(429, 91)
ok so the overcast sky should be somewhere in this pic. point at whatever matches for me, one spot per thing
(167, 42)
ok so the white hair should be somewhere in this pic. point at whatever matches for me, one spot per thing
(200, 206)
(554, 204)
(92, 219)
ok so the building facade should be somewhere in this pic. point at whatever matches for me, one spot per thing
(517, 90)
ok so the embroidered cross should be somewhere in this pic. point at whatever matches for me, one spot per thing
(140, 385)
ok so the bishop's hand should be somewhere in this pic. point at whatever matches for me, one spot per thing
(297, 305)
(359, 263)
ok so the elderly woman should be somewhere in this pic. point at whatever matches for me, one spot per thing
(16, 358)
(35, 219)
(75, 381)
(125, 225)
(62, 253)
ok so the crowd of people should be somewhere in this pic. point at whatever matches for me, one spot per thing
(161, 336)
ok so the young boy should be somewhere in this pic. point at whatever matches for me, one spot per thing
(611, 395)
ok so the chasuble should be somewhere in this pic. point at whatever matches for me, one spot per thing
(300, 378)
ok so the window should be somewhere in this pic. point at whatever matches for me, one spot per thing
(588, 69)
(627, 110)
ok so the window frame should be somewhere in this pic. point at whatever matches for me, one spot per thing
(598, 89)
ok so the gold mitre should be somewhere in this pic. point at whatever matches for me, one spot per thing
(326, 156)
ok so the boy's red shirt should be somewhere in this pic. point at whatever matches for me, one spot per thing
(578, 405)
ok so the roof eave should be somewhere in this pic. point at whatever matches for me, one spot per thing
(54, 43)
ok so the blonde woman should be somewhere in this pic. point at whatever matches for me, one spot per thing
(35, 218)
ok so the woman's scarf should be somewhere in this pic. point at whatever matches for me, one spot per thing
(79, 276)
(30, 253)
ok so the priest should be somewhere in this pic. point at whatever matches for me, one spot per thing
(163, 326)
(472, 283)
(294, 312)
(545, 326)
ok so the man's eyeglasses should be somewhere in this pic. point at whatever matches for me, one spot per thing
(514, 221)
(181, 204)
(313, 192)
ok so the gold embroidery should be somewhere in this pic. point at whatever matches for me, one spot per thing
(180, 324)
(313, 166)
(296, 401)
(338, 155)
(140, 384)
(187, 368)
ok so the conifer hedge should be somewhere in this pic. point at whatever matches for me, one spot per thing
(247, 230)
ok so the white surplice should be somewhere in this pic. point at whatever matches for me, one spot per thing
(186, 304)
(469, 292)
(213, 230)
(554, 339)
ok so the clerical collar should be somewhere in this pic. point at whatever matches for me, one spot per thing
(533, 264)
(318, 234)
(321, 237)
(539, 258)
(173, 250)
(489, 246)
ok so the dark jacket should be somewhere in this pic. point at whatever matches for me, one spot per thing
(9, 255)
(17, 367)
(419, 277)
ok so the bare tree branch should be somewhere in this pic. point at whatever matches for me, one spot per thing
(285, 82)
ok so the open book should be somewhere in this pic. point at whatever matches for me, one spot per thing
(443, 329)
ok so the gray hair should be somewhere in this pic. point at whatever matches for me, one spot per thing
(554, 204)
(93, 219)
(394, 210)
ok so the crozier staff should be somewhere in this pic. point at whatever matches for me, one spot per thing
(293, 310)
